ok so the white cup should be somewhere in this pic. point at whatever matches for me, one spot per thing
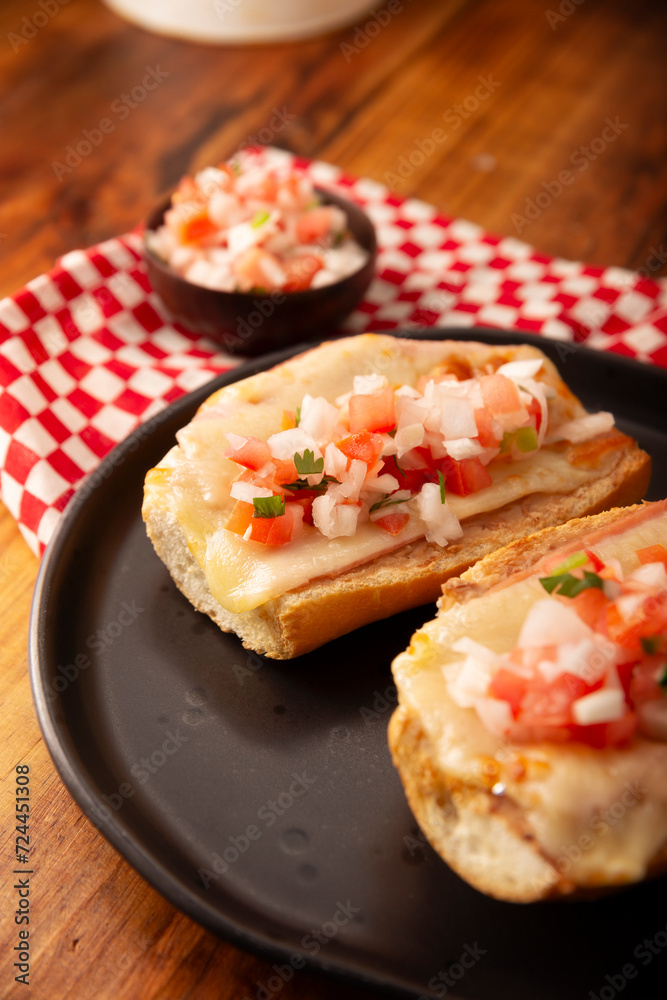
(230, 21)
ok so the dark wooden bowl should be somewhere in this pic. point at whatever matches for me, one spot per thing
(254, 323)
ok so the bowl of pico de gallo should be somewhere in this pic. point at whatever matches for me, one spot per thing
(258, 258)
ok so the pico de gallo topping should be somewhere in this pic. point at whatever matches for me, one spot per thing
(385, 454)
(243, 226)
(590, 663)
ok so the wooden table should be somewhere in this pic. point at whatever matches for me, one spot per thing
(496, 95)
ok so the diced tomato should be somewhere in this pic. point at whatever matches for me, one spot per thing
(649, 620)
(240, 517)
(589, 605)
(625, 674)
(551, 704)
(606, 734)
(280, 528)
(409, 479)
(373, 411)
(535, 413)
(305, 500)
(196, 228)
(466, 476)
(300, 271)
(253, 453)
(485, 432)
(510, 687)
(594, 560)
(288, 420)
(653, 553)
(269, 530)
(364, 445)
(314, 224)
(500, 393)
(393, 523)
(285, 471)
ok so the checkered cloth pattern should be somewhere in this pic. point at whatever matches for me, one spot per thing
(88, 352)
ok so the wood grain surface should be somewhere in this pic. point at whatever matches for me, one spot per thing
(477, 107)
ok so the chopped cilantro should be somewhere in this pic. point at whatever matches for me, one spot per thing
(387, 501)
(441, 480)
(307, 465)
(568, 585)
(572, 562)
(650, 644)
(269, 506)
(662, 678)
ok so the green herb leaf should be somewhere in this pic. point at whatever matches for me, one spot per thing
(507, 441)
(269, 506)
(386, 501)
(297, 416)
(260, 218)
(441, 480)
(572, 562)
(649, 644)
(568, 585)
(303, 484)
(526, 439)
(662, 679)
(306, 465)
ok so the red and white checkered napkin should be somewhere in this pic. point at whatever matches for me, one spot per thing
(88, 352)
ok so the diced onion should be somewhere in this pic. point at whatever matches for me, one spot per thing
(365, 385)
(605, 705)
(408, 437)
(583, 428)
(463, 448)
(285, 444)
(550, 623)
(495, 715)
(318, 417)
(247, 492)
(522, 369)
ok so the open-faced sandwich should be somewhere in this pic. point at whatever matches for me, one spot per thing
(347, 483)
(531, 732)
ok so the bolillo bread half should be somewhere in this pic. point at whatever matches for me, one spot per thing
(534, 821)
(607, 470)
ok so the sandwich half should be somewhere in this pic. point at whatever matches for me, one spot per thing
(531, 730)
(349, 482)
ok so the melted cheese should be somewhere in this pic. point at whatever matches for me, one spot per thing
(599, 814)
(193, 482)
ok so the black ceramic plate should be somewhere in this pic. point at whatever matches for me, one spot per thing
(260, 798)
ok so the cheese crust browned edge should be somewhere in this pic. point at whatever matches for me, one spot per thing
(486, 840)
